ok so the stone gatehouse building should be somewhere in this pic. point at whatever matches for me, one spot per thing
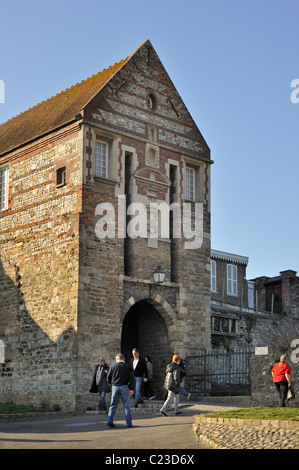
(68, 295)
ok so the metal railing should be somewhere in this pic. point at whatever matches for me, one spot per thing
(219, 373)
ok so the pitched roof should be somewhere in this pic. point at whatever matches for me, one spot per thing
(53, 112)
(60, 110)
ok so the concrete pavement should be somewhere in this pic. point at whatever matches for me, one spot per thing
(89, 430)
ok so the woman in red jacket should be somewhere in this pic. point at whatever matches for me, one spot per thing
(281, 374)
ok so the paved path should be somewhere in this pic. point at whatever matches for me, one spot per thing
(89, 431)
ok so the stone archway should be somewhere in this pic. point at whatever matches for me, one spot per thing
(144, 327)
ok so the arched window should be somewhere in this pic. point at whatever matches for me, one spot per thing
(151, 102)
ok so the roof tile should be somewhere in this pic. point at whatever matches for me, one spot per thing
(53, 112)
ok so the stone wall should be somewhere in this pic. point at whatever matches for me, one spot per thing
(39, 272)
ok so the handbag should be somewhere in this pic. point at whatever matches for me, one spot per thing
(290, 394)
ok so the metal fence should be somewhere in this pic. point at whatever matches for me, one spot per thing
(219, 373)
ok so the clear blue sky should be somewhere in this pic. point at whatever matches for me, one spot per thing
(232, 62)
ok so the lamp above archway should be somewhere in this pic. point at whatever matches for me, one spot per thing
(159, 275)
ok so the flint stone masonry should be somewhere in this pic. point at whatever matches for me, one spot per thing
(39, 273)
(229, 433)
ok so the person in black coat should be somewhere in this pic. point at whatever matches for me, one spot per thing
(148, 390)
(99, 383)
(172, 384)
(140, 374)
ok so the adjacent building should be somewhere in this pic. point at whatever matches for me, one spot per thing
(243, 310)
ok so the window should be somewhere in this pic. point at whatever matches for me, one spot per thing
(232, 280)
(213, 276)
(223, 325)
(194, 175)
(190, 184)
(61, 176)
(251, 290)
(101, 160)
(151, 102)
(3, 189)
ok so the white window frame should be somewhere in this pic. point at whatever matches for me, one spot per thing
(231, 323)
(3, 188)
(101, 159)
(251, 294)
(232, 279)
(61, 176)
(213, 276)
(190, 184)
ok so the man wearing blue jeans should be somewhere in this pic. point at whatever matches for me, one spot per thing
(121, 380)
(140, 374)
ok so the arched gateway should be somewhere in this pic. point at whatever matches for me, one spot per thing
(147, 325)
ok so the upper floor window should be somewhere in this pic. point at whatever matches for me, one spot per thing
(232, 279)
(151, 102)
(61, 176)
(101, 167)
(251, 291)
(3, 188)
(213, 276)
(190, 184)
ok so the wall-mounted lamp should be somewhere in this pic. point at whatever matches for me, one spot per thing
(159, 275)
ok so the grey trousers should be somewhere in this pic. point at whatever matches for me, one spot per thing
(171, 395)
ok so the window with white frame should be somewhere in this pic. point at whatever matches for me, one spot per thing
(251, 291)
(101, 155)
(232, 279)
(190, 184)
(213, 276)
(3, 188)
(61, 176)
(222, 325)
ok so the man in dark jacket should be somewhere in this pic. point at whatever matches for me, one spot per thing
(99, 383)
(140, 374)
(172, 384)
(121, 380)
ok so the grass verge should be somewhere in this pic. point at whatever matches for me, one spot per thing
(259, 412)
(10, 408)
